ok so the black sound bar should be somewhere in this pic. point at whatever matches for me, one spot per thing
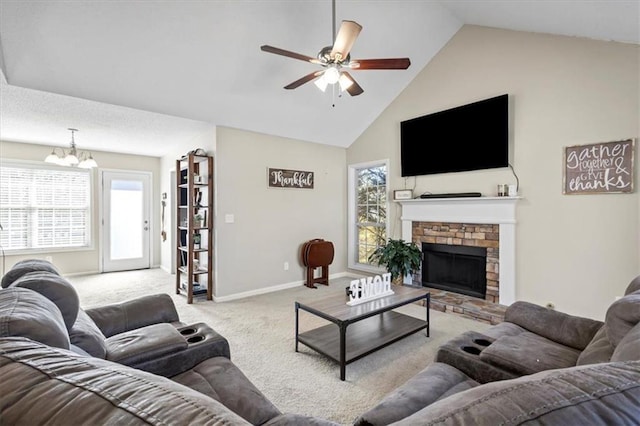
(452, 195)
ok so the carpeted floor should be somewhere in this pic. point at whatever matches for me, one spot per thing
(260, 331)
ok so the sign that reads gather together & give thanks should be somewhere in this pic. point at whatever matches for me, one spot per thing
(283, 178)
(599, 168)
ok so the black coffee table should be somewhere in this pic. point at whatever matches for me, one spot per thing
(371, 325)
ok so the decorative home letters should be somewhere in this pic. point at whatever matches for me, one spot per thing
(370, 288)
(599, 168)
(282, 178)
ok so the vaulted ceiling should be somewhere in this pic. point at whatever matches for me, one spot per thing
(138, 77)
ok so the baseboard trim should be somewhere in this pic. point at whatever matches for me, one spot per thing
(274, 288)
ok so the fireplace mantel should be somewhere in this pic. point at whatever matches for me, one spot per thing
(493, 210)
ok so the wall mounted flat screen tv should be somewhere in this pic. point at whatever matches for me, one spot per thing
(469, 137)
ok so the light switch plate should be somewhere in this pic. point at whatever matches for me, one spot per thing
(229, 218)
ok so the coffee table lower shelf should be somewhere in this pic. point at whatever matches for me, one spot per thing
(362, 337)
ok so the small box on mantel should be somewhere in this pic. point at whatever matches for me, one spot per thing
(403, 194)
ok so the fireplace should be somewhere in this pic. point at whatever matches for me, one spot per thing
(499, 213)
(456, 268)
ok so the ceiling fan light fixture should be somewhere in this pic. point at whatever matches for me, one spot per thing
(321, 83)
(345, 82)
(332, 75)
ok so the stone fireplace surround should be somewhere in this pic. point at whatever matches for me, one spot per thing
(498, 211)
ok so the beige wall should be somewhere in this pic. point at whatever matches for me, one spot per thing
(580, 251)
(88, 260)
(271, 224)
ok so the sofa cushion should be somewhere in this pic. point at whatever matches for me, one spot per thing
(220, 379)
(629, 347)
(55, 288)
(622, 316)
(598, 350)
(133, 314)
(24, 267)
(144, 343)
(45, 385)
(435, 382)
(560, 327)
(86, 335)
(528, 353)
(29, 314)
(633, 286)
(598, 394)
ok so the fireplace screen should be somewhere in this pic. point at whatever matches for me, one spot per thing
(460, 269)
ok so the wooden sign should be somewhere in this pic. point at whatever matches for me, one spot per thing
(282, 178)
(606, 167)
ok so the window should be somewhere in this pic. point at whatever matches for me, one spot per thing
(367, 212)
(44, 207)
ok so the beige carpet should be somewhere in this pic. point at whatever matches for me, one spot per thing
(260, 331)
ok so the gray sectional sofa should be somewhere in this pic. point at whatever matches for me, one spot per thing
(128, 363)
(537, 367)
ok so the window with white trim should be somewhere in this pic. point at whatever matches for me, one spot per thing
(44, 207)
(367, 212)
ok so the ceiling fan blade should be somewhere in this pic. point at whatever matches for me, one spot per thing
(288, 54)
(347, 35)
(354, 89)
(307, 78)
(380, 64)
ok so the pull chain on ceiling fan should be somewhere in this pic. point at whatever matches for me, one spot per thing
(337, 57)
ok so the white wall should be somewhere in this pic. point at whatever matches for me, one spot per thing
(271, 224)
(86, 261)
(577, 251)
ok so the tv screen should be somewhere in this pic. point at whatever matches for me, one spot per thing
(469, 137)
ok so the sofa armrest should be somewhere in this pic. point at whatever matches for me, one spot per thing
(132, 314)
(575, 332)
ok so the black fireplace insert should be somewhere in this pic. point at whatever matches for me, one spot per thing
(459, 269)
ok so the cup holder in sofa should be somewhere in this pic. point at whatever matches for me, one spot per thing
(195, 339)
(187, 331)
(481, 342)
(471, 350)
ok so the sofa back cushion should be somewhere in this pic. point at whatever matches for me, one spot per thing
(622, 316)
(629, 347)
(28, 314)
(24, 267)
(72, 389)
(569, 330)
(599, 394)
(55, 288)
(598, 350)
(86, 335)
(633, 286)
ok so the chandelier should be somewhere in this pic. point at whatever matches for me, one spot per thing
(71, 157)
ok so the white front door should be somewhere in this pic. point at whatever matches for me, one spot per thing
(126, 223)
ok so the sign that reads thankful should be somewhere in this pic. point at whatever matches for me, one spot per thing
(282, 178)
(599, 168)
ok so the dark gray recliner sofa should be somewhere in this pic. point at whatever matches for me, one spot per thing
(49, 374)
(539, 366)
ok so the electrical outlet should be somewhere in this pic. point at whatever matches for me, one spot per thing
(286, 266)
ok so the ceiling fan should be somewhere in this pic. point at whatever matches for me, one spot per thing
(334, 59)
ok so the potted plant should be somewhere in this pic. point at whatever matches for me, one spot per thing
(199, 220)
(399, 257)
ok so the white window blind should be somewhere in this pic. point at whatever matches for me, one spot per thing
(44, 207)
